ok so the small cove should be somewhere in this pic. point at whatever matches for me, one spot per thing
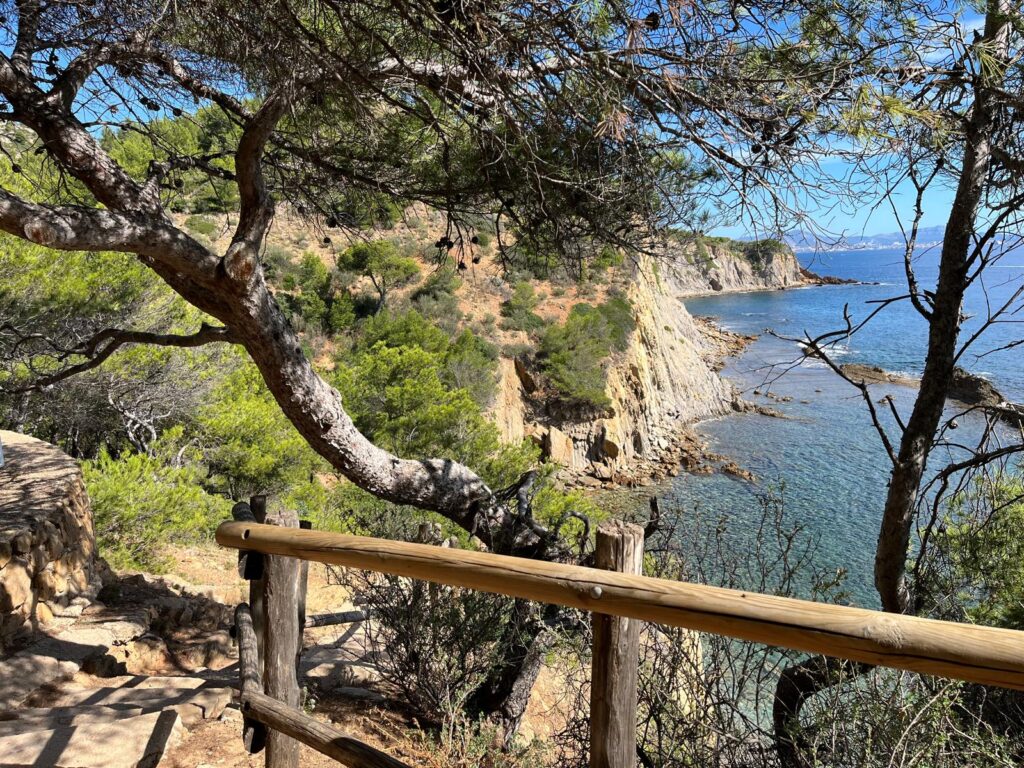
(824, 457)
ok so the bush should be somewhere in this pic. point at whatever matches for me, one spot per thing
(758, 252)
(397, 398)
(470, 365)
(436, 644)
(402, 329)
(572, 354)
(313, 310)
(342, 313)
(142, 503)
(518, 311)
(436, 299)
(381, 262)
(978, 562)
(201, 225)
(249, 445)
(277, 262)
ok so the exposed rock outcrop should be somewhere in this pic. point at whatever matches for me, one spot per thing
(971, 389)
(715, 265)
(665, 380)
(872, 374)
(965, 387)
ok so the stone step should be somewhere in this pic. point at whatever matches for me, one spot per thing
(144, 683)
(192, 704)
(55, 658)
(31, 719)
(133, 742)
(25, 672)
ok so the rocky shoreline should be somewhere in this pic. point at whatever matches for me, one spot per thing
(668, 382)
(812, 278)
(684, 450)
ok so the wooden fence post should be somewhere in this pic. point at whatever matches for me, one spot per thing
(306, 525)
(282, 641)
(255, 573)
(616, 656)
(250, 567)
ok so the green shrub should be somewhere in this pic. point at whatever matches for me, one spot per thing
(342, 312)
(201, 225)
(313, 309)
(397, 398)
(758, 252)
(572, 355)
(382, 263)
(401, 329)
(471, 365)
(436, 299)
(141, 503)
(249, 446)
(518, 311)
(980, 550)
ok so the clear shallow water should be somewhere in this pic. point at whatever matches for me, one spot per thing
(825, 455)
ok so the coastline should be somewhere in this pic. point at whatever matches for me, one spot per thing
(677, 447)
(808, 279)
(686, 451)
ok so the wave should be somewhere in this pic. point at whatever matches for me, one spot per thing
(834, 350)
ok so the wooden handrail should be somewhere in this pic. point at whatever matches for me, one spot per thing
(963, 651)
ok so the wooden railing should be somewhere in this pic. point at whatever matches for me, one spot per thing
(616, 595)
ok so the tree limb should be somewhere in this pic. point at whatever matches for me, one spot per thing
(98, 349)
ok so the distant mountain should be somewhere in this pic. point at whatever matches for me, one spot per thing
(803, 242)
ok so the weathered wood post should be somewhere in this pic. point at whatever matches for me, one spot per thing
(250, 567)
(282, 641)
(616, 656)
(305, 525)
(254, 734)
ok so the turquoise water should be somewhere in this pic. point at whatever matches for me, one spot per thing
(825, 454)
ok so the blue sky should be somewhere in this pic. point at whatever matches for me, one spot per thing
(873, 214)
(869, 216)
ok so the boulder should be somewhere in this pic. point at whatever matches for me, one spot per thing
(558, 447)
(15, 586)
(609, 448)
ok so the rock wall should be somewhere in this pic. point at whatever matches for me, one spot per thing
(47, 547)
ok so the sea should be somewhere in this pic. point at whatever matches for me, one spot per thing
(824, 459)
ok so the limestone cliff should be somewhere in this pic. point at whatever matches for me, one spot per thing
(666, 379)
(714, 265)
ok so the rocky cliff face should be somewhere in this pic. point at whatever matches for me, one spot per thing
(666, 380)
(715, 265)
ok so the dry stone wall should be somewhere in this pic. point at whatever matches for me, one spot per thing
(47, 546)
